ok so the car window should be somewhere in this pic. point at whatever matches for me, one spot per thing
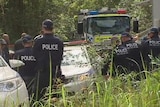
(74, 57)
(2, 63)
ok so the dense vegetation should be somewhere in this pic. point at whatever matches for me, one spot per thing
(117, 92)
(19, 16)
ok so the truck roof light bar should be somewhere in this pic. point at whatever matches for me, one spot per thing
(121, 11)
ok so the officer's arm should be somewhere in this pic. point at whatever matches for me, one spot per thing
(59, 72)
(36, 49)
(16, 56)
(145, 51)
(37, 53)
(61, 51)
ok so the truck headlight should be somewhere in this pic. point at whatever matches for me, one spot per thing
(11, 84)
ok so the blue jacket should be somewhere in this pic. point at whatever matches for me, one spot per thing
(126, 58)
(48, 52)
(26, 55)
(151, 46)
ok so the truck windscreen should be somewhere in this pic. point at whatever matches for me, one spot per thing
(107, 25)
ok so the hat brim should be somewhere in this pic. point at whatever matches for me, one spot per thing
(151, 32)
(28, 41)
(125, 36)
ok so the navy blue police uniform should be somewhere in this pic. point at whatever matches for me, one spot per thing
(126, 58)
(4, 52)
(48, 51)
(151, 46)
(26, 55)
(28, 70)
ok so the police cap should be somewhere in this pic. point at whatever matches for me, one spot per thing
(47, 24)
(27, 38)
(154, 30)
(126, 34)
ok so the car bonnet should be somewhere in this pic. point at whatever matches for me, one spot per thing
(7, 73)
(72, 70)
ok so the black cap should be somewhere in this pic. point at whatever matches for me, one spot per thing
(47, 24)
(154, 30)
(27, 38)
(128, 29)
(125, 34)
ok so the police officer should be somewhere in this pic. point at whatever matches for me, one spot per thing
(4, 52)
(5, 37)
(48, 52)
(126, 57)
(151, 46)
(26, 55)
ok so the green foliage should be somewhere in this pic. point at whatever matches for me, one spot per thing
(26, 15)
(142, 13)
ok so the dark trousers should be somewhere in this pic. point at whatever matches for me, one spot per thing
(41, 84)
(29, 81)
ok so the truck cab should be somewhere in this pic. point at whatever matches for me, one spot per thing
(101, 26)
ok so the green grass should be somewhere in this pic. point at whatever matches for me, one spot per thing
(115, 92)
(122, 91)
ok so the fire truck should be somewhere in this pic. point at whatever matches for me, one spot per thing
(102, 25)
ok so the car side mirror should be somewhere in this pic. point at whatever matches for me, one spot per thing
(136, 26)
(80, 28)
(14, 63)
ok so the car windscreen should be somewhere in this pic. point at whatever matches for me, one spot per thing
(74, 57)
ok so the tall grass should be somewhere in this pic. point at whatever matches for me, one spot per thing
(121, 91)
(117, 92)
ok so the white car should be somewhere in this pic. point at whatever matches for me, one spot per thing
(77, 68)
(13, 91)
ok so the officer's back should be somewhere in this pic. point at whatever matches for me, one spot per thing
(127, 56)
(48, 50)
(26, 55)
(152, 45)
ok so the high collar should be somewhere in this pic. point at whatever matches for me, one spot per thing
(129, 41)
(48, 34)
